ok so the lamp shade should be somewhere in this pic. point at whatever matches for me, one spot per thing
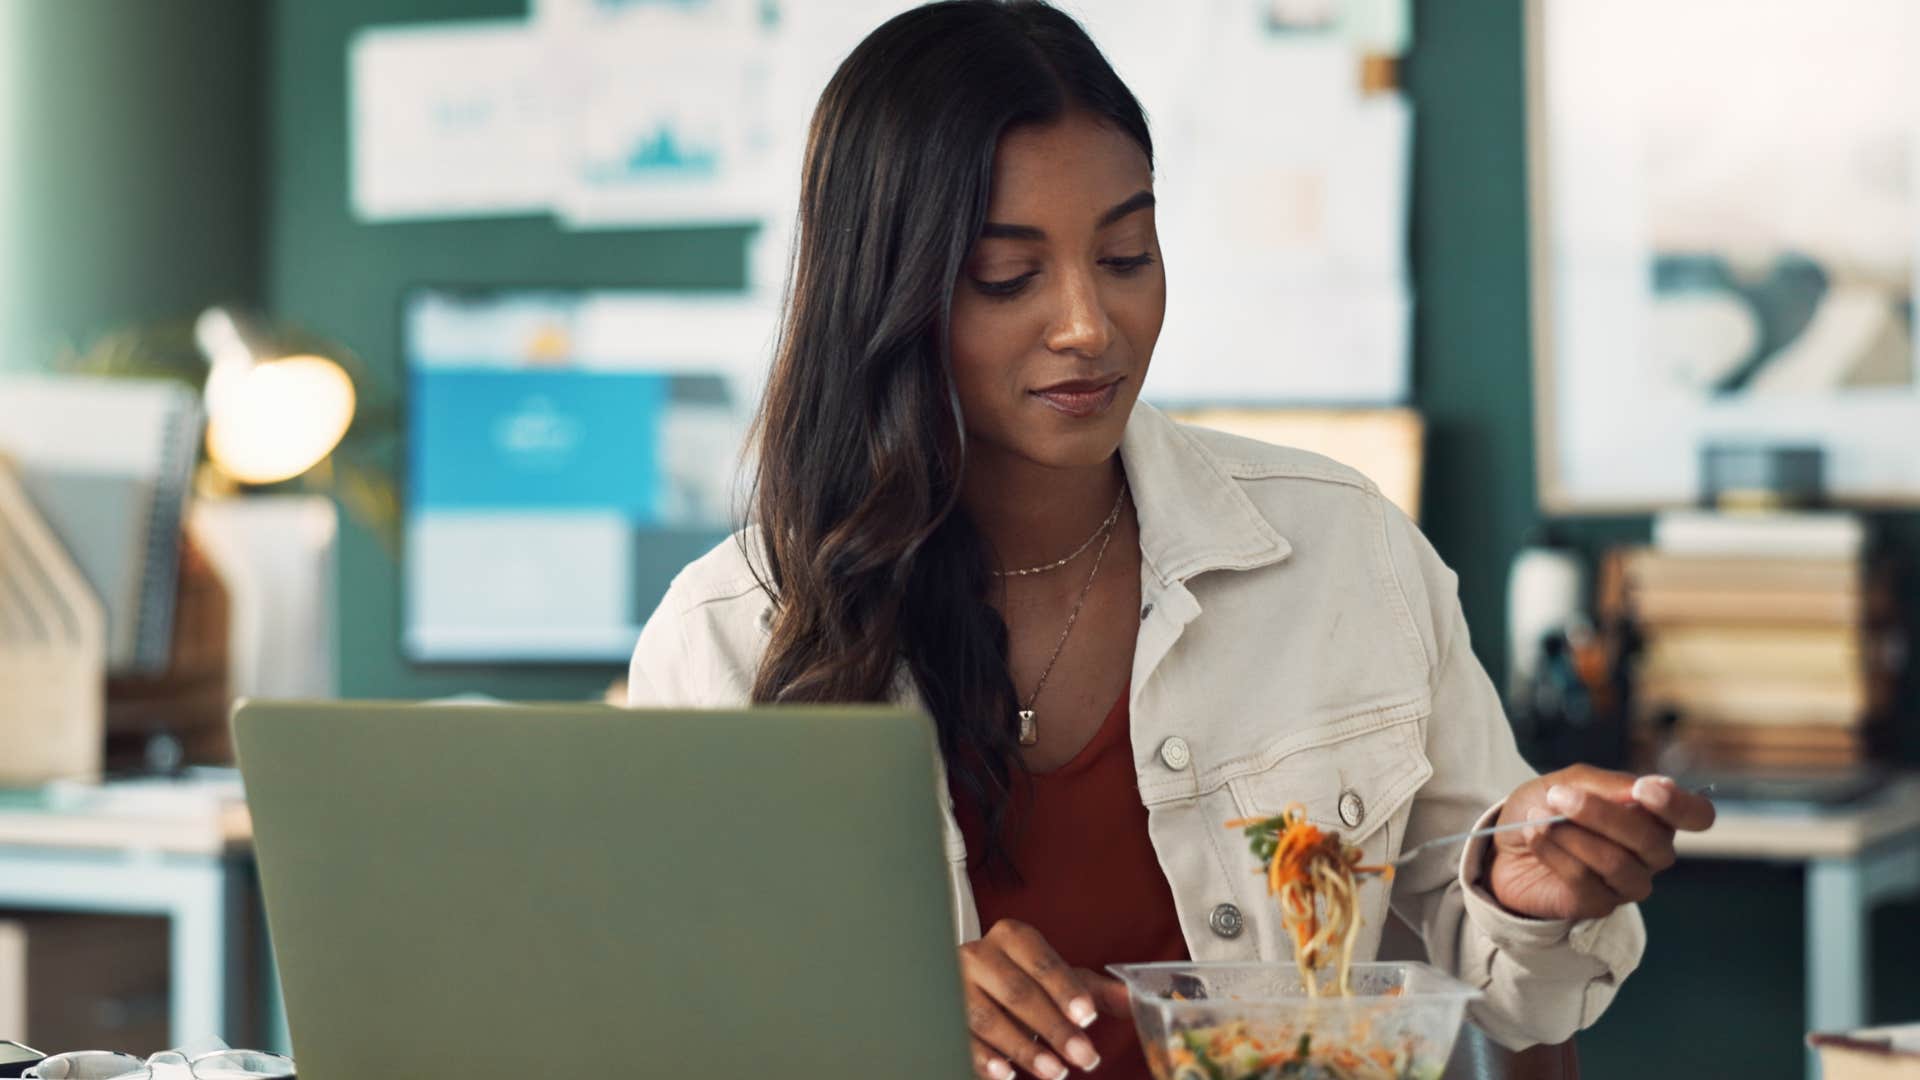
(269, 417)
(276, 419)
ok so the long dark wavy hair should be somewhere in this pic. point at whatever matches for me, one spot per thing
(875, 568)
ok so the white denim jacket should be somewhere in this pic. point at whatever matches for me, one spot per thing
(1299, 641)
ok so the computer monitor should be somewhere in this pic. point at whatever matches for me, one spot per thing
(567, 453)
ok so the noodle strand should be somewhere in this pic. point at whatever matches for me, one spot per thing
(1316, 879)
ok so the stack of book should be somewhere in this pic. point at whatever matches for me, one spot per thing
(1760, 641)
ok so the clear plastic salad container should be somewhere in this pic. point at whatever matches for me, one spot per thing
(1254, 1021)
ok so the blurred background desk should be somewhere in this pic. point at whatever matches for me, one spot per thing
(181, 851)
(1856, 856)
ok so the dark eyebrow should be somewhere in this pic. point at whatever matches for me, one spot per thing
(1141, 200)
(994, 230)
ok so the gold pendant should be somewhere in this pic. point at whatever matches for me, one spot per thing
(1029, 728)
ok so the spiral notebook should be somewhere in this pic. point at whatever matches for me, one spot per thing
(108, 463)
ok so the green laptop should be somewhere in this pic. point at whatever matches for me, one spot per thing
(496, 892)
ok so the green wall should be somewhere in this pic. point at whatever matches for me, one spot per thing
(344, 279)
(130, 144)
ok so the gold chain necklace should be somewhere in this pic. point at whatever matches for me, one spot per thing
(1106, 525)
(1029, 727)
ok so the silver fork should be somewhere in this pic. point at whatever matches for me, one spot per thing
(1407, 855)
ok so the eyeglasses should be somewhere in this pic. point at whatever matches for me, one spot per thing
(209, 1060)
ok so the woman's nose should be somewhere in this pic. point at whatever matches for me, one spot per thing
(1080, 324)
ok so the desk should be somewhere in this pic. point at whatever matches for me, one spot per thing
(181, 851)
(1855, 857)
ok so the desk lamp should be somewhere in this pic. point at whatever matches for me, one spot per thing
(269, 417)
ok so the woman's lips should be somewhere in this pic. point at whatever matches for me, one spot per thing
(1080, 400)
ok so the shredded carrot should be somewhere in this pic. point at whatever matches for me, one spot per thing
(1309, 869)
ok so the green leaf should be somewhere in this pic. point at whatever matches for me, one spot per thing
(1197, 1045)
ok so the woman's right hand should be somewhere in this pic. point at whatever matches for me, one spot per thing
(1027, 1007)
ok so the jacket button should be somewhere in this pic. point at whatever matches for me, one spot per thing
(1226, 921)
(1146, 610)
(1353, 811)
(1175, 754)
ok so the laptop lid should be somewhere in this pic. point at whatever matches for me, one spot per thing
(588, 891)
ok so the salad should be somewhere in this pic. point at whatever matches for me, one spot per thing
(1232, 1052)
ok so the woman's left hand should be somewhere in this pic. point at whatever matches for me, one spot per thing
(1619, 836)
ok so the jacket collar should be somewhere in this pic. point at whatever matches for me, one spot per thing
(1194, 517)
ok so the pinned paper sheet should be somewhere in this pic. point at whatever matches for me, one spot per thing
(451, 120)
(1726, 240)
(1283, 213)
(668, 114)
(574, 448)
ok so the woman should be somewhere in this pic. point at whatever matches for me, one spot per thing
(1127, 632)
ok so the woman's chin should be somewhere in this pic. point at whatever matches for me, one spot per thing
(1072, 450)
(1083, 438)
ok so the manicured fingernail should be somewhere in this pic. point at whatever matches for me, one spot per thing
(1049, 1067)
(1000, 1070)
(1082, 1011)
(1653, 792)
(1537, 831)
(1563, 798)
(1083, 1055)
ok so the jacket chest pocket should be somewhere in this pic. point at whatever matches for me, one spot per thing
(1357, 777)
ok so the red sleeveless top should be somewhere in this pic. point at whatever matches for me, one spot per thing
(1089, 880)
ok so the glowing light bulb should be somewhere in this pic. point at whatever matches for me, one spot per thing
(277, 419)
